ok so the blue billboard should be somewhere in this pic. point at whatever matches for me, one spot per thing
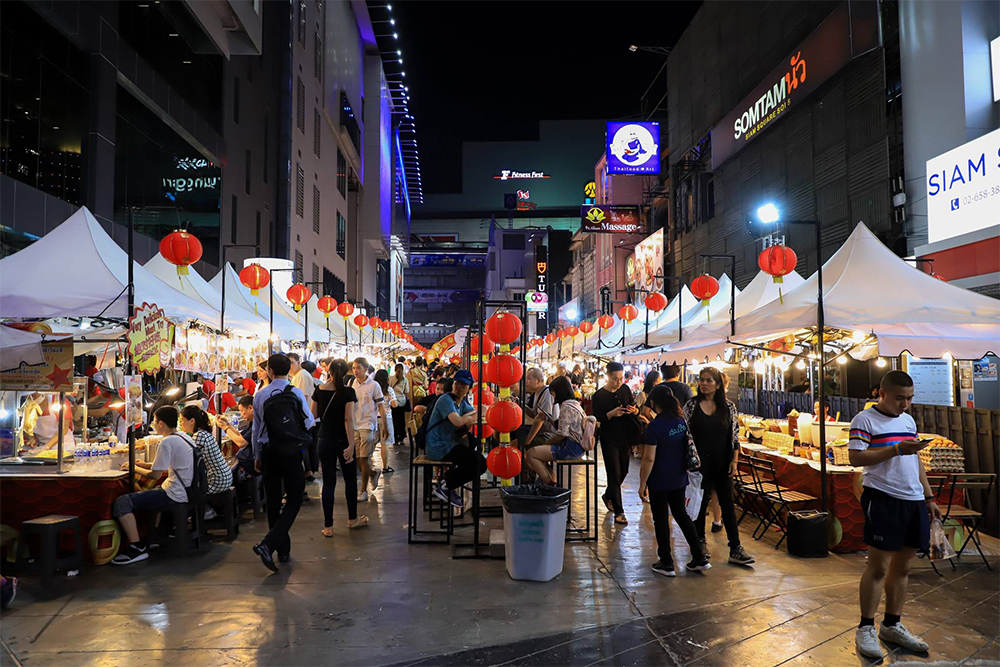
(633, 147)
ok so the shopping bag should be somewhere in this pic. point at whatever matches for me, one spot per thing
(693, 495)
(940, 546)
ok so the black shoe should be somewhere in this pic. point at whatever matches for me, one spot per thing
(739, 556)
(666, 569)
(131, 554)
(716, 527)
(704, 550)
(264, 552)
(699, 565)
(284, 558)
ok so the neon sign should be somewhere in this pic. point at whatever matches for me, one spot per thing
(510, 174)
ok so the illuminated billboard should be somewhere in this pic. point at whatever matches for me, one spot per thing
(633, 148)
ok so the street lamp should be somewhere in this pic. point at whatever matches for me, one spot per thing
(769, 214)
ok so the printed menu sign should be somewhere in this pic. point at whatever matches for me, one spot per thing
(55, 374)
(149, 339)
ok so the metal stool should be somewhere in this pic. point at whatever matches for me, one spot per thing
(48, 529)
(230, 511)
(564, 472)
(186, 537)
(423, 465)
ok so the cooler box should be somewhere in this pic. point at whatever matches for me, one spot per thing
(534, 524)
(807, 534)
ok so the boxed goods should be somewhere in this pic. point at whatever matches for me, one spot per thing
(942, 455)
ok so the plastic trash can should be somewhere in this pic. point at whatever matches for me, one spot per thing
(534, 524)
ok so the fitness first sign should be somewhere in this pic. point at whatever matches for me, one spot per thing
(802, 71)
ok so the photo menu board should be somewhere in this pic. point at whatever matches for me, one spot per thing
(933, 381)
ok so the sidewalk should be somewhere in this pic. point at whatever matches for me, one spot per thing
(366, 598)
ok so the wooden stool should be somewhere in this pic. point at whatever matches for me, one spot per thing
(564, 472)
(186, 538)
(254, 487)
(423, 465)
(48, 529)
(230, 511)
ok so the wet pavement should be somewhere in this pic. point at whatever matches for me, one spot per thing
(367, 598)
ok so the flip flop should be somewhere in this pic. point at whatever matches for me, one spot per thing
(621, 519)
(360, 522)
(327, 534)
(607, 503)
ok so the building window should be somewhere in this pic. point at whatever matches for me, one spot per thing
(332, 285)
(341, 173)
(300, 101)
(302, 22)
(317, 132)
(266, 152)
(257, 233)
(318, 57)
(316, 209)
(246, 176)
(513, 241)
(297, 274)
(236, 100)
(341, 236)
(232, 223)
(300, 191)
(315, 277)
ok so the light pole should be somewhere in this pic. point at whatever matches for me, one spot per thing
(222, 306)
(768, 214)
(320, 283)
(732, 289)
(270, 283)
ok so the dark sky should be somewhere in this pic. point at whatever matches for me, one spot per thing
(492, 70)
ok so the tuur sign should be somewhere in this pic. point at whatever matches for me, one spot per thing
(610, 219)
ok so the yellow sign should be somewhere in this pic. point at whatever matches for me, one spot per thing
(54, 374)
(595, 215)
(590, 190)
(149, 339)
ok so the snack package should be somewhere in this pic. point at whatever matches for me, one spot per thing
(940, 548)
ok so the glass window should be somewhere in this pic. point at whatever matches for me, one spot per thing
(302, 22)
(341, 236)
(300, 191)
(341, 173)
(513, 241)
(318, 57)
(317, 132)
(315, 277)
(315, 209)
(298, 267)
(257, 231)
(300, 102)
(266, 151)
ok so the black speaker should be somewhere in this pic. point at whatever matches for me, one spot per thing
(807, 534)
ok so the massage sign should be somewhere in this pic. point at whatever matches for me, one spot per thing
(149, 339)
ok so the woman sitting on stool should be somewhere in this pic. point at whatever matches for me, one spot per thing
(565, 445)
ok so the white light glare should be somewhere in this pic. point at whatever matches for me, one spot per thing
(768, 214)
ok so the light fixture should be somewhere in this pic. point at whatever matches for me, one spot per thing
(881, 363)
(800, 364)
(768, 214)
(173, 391)
(392, 21)
(842, 359)
(84, 323)
(398, 52)
(116, 405)
(395, 35)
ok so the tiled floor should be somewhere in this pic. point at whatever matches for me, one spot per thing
(366, 598)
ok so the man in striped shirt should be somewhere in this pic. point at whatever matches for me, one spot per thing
(896, 501)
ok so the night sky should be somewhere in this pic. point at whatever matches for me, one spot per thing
(491, 70)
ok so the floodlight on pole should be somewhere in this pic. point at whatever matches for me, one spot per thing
(768, 214)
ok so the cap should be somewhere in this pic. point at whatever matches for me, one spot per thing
(464, 376)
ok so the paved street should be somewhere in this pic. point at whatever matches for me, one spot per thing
(366, 598)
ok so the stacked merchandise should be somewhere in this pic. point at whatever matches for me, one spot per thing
(942, 455)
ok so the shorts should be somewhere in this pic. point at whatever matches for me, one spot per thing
(891, 523)
(567, 450)
(143, 501)
(365, 440)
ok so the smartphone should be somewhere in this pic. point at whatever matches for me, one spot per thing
(925, 440)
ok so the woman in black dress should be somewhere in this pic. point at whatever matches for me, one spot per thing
(713, 426)
(333, 403)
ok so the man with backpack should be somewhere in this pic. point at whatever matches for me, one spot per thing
(281, 430)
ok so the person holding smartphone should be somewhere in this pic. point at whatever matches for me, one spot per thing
(897, 502)
(614, 407)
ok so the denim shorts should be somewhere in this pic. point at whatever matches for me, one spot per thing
(567, 450)
(143, 501)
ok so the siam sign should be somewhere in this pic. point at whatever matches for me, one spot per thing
(839, 38)
(608, 219)
(510, 174)
(633, 148)
(963, 188)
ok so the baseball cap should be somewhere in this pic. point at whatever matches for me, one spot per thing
(465, 377)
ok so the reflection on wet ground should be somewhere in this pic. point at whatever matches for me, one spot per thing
(365, 598)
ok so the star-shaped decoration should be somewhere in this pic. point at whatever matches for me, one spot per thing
(59, 377)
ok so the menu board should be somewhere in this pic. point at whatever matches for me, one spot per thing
(54, 374)
(933, 382)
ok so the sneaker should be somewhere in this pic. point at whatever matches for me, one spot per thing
(666, 569)
(131, 554)
(716, 526)
(210, 513)
(898, 634)
(455, 499)
(866, 639)
(8, 590)
(441, 493)
(739, 556)
(704, 550)
(375, 475)
(699, 565)
(363, 497)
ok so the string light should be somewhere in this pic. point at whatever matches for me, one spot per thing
(881, 363)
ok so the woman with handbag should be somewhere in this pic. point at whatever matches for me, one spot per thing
(714, 430)
(667, 458)
(400, 385)
(334, 402)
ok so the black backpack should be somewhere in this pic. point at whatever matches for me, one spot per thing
(198, 489)
(421, 435)
(285, 421)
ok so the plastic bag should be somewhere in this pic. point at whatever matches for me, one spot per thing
(693, 495)
(940, 548)
(534, 499)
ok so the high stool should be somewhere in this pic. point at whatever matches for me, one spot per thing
(564, 478)
(230, 511)
(9, 540)
(187, 537)
(422, 465)
(48, 529)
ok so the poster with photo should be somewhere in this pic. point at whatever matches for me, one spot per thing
(647, 263)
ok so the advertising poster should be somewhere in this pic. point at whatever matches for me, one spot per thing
(633, 148)
(984, 371)
(149, 339)
(54, 374)
(607, 219)
(647, 264)
(134, 409)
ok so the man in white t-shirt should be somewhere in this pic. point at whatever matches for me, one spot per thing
(897, 500)
(369, 423)
(174, 457)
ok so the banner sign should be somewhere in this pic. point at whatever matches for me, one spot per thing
(442, 295)
(54, 374)
(542, 288)
(445, 259)
(149, 339)
(633, 148)
(610, 219)
(538, 302)
(644, 269)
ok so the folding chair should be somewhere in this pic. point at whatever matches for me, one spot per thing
(969, 518)
(779, 499)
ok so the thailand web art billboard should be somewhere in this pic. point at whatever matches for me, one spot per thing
(633, 148)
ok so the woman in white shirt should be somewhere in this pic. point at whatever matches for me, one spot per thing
(382, 378)
(400, 385)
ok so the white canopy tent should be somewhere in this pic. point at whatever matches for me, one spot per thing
(39, 281)
(19, 347)
(284, 324)
(866, 287)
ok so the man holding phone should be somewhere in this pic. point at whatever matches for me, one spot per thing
(897, 501)
(613, 406)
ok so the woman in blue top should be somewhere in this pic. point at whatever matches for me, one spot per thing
(447, 439)
(664, 475)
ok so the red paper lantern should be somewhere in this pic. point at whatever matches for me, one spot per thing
(551, 338)
(207, 386)
(777, 261)
(299, 295)
(374, 322)
(504, 416)
(386, 325)
(181, 249)
(504, 462)
(656, 302)
(572, 331)
(361, 321)
(605, 322)
(487, 430)
(628, 312)
(487, 396)
(504, 370)
(487, 346)
(503, 328)
(255, 278)
(345, 310)
(249, 386)
(326, 305)
(586, 327)
(705, 287)
(562, 334)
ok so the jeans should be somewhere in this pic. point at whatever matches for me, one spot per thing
(283, 476)
(310, 455)
(718, 479)
(330, 453)
(616, 458)
(399, 423)
(466, 465)
(659, 502)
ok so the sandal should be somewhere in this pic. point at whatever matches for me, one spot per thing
(621, 519)
(607, 503)
(360, 522)
(328, 531)
(388, 469)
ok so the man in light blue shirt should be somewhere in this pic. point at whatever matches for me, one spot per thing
(281, 424)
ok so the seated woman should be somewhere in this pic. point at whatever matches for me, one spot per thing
(195, 421)
(565, 445)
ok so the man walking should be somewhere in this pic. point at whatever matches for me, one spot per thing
(615, 410)
(672, 378)
(369, 423)
(896, 500)
(281, 424)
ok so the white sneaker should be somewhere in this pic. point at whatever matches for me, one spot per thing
(866, 639)
(210, 513)
(363, 498)
(898, 634)
(375, 475)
